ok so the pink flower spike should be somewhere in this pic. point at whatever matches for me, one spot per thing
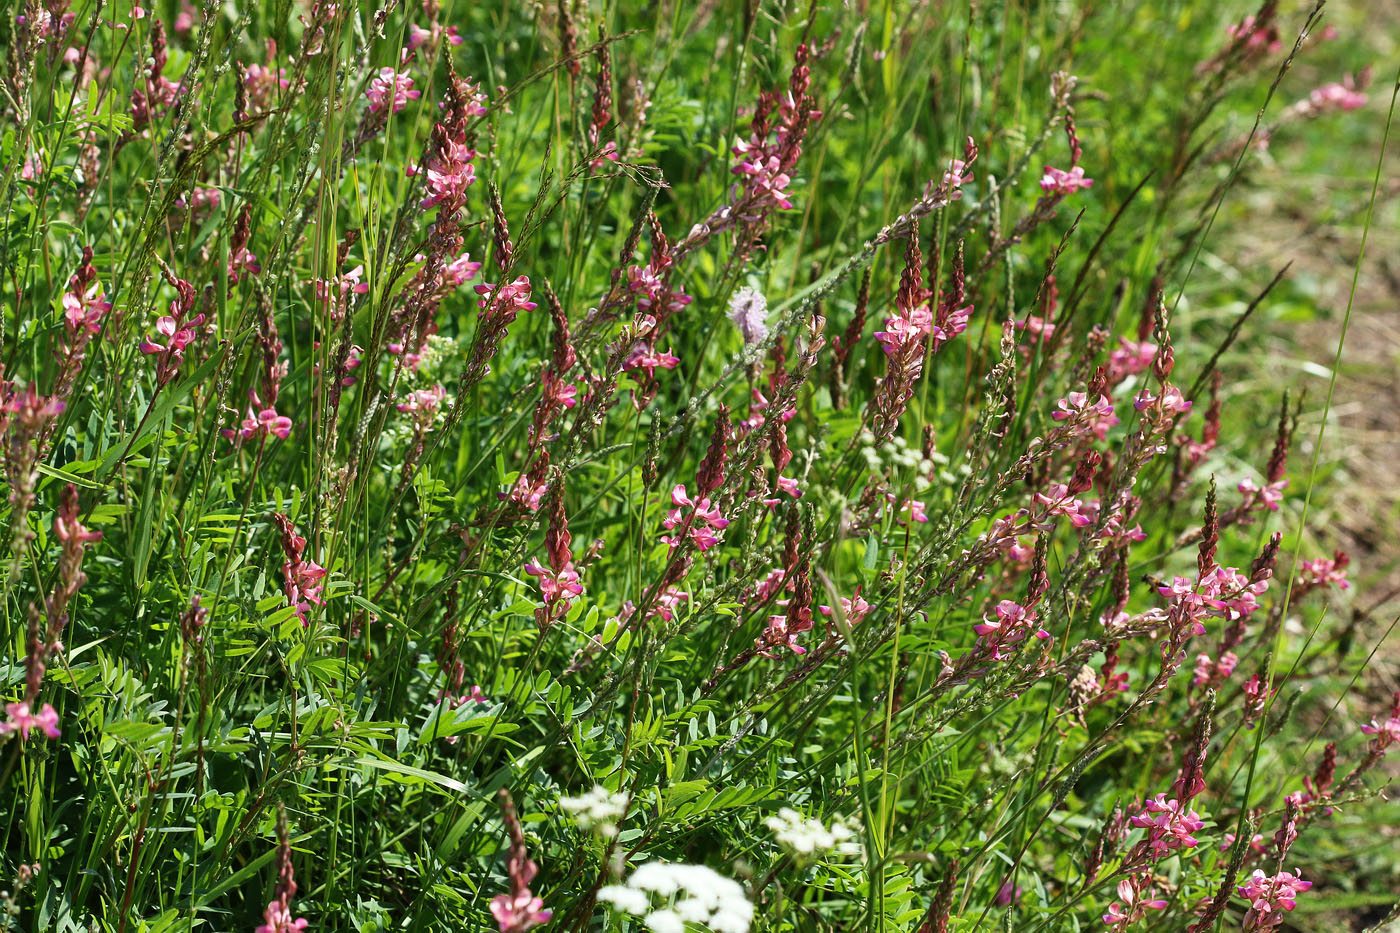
(23, 721)
(1055, 181)
(390, 90)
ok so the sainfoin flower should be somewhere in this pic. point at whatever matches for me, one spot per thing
(301, 578)
(854, 609)
(520, 910)
(559, 581)
(390, 90)
(1010, 626)
(1058, 181)
(1386, 731)
(1326, 570)
(178, 329)
(260, 421)
(686, 894)
(1270, 897)
(1169, 824)
(277, 917)
(1133, 905)
(1270, 494)
(83, 304)
(701, 521)
(23, 721)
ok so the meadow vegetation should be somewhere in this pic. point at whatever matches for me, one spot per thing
(674, 466)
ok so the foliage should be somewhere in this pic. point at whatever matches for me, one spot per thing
(730, 465)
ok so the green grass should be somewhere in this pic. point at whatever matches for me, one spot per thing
(193, 771)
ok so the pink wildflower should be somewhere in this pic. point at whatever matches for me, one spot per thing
(1056, 181)
(854, 609)
(390, 90)
(1130, 358)
(1012, 624)
(1326, 570)
(520, 910)
(703, 522)
(178, 329)
(22, 720)
(1269, 495)
(301, 579)
(83, 304)
(1096, 416)
(1270, 897)
(264, 422)
(277, 918)
(649, 359)
(1133, 906)
(418, 36)
(957, 174)
(1057, 500)
(1169, 824)
(1386, 733)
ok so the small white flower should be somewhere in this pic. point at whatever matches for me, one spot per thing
(748, 309)
(664, 921)
(692, 894)
(598, 810)
(628, 900)
(806, 837)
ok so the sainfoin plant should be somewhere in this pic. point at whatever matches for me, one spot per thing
(731, 466)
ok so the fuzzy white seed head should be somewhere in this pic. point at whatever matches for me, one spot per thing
(748, 309)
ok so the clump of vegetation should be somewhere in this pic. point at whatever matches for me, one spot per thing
(706, 467)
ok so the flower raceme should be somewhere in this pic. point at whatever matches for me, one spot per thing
(1132, 905)
(277, 917)
(558, 580)
(1057, 181)
(390, 90)
(1010, 626)
(1270, 897)
(450, 173)
(83, 304)
(520, 910)
(23, 720)
(556, 586)
(1269, 495)
(178, 329)
(1386, 732)
(1097, 415)
(301, 578)
(1170, 824)
(700, 521)
(260, 422)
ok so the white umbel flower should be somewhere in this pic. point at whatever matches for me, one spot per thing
(598, 810)
(683, 894)
(807, 837)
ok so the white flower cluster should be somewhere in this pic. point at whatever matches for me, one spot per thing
(693, 894)
(804, 836)
(598, 810)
